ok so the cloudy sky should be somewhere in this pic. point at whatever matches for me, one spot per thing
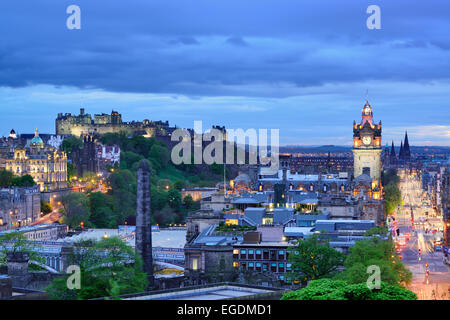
(301, 66)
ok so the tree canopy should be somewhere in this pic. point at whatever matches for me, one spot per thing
(328, 289)
(313, 258)
(108, 268)
(378, 252)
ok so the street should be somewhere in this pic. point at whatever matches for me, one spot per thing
(421, 227)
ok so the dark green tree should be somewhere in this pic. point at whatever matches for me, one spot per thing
(378, 252)
(108, 268)
(327, 289)
(76, 209)
(313, 258)
(5, 178)
(46, 207)
(70, 143)
(188, 202)
(101, 207)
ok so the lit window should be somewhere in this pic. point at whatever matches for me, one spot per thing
(194, 264)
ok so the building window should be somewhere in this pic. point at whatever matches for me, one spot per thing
(235, 264)
(194, 264)
(273, 267)
(258, 266)
(251, 254)
(251, 265)
(258, 254)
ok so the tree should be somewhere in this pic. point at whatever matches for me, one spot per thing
(378, 252)
(23, 181)
(76, 209)
(160, 154)
(46, 207)
(179, 185)
(15, 242)
(313, 258)
(164, 217)
(5, 178)
(71, 172)
(108, 268)
(327, 289)
(123, 192)
(70, 143)
(101, 207)
(380, 230)
(174, 199)
(188, 201)
(392, 196)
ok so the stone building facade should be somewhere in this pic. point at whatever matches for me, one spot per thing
(47, 165)
(19, 207)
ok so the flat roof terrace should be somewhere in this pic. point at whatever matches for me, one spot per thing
(221, 291)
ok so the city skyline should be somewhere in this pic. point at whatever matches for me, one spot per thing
(285, 69)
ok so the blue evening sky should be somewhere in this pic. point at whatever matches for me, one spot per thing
(302, 66)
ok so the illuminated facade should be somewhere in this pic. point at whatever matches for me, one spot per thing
(367, 146)
(45, 164)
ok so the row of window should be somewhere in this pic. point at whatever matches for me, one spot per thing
(263, 266)
(265, 254)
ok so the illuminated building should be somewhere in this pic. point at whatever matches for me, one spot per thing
(45, 164)
(367, 146)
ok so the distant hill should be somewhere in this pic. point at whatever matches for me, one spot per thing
(346, 149)
(316, 149)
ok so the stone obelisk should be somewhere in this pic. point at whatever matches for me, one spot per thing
(143, 220)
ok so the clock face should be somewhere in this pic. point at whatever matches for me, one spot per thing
(366, 140)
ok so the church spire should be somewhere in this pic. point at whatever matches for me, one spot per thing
(400, 154)
(393, 156)
(406, 150)
(393, 150)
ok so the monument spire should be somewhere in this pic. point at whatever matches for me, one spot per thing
(143, 220)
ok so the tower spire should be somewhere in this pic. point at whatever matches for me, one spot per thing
(406, 151)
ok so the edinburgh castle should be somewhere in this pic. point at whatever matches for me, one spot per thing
(104, 123)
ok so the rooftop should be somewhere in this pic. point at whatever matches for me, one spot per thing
(210, 292)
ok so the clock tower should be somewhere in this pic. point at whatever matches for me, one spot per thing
(367, 146)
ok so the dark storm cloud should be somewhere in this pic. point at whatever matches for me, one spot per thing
(185, 47)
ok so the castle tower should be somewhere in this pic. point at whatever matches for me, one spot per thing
(143, 220)
(367, 145)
